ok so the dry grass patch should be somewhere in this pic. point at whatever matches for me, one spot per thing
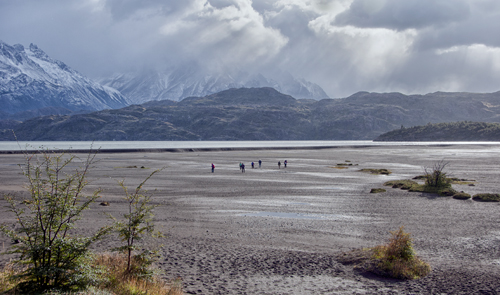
(7, 283)
(137, 281)
(397, 259)
(115, 280)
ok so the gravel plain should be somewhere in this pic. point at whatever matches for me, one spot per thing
(281, 231)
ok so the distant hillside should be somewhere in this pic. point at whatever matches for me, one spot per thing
(457, 131)
(262, 114)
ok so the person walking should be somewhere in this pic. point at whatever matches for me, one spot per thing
(260, 163)
(240, 165)
(286, 162)
(213, 167)
(242, 168)
(279, 164)
(252, 165)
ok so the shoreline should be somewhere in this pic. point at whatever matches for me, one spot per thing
(227, 149)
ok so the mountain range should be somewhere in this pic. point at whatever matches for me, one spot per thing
(44, 99)
(263, 114)
(192, 80)
(32, 83)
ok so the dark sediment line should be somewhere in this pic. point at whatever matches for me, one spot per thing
(180, 150)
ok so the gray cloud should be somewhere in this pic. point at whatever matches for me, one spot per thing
(411, 46)
(402, 15)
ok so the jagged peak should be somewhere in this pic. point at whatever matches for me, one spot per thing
(18, 47)
(39, 53)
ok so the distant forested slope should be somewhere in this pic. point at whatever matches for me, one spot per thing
(456, 131)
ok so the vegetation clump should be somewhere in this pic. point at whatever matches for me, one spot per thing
(486, 197)
(404, 184)
(377, 190)
(137, 223)
(113, 279)
(435, 179)
(461, 196)
(397, 259)
(377, 171)
(52, 257)
(55, 257)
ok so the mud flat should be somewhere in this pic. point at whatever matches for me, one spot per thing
(280, 231)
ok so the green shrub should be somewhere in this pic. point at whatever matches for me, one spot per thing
(54, 257)
(486, 197)
(137, 224)
(436, 179)
(397, 259)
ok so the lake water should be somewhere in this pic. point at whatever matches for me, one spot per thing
(124, 145)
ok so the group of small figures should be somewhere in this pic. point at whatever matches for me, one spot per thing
(242, 166)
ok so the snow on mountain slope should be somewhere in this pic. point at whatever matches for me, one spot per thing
(178, 83)
(30, 80)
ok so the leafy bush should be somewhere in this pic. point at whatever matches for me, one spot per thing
(138, 223)
(55, 258)
(398, 259)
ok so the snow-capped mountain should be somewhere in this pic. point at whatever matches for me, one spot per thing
(187, 81)
(31, 80)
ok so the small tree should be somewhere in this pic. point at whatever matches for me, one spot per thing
(138, 222)
(55, 258)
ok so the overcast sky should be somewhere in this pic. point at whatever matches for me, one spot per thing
(345, 46)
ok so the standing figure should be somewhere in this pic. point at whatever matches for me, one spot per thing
(213, 167)
(260, 163)
(252, 165)
(242, 168)
(240, 165)
(279, 165)
(286, 162)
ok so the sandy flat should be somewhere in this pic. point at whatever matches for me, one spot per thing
(280, 231)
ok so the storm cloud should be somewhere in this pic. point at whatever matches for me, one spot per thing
(345, 46)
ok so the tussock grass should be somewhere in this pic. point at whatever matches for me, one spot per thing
(7, 284)
(397, 259)
(377, 190)
(137, 281)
